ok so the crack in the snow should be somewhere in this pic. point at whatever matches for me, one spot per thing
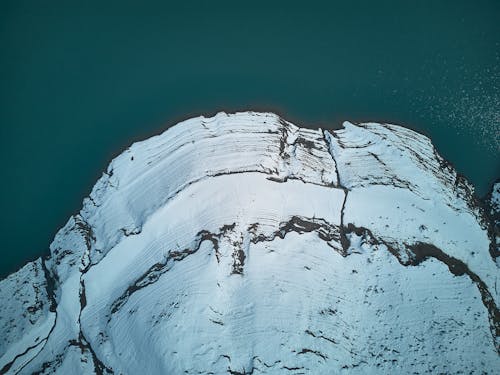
(326, 231)
(420, 251)
(158, 269)
(50, 285)
(8, 365)
(315, 352)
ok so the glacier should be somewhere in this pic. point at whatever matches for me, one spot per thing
(244, 244)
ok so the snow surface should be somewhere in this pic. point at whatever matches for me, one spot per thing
(243, 244)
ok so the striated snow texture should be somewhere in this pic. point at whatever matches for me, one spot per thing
(243, 244)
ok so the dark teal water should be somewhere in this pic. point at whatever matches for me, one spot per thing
(80, 82)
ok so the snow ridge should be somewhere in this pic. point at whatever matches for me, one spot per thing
(242, 243)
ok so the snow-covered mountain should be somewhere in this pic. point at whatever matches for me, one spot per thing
(244, 244)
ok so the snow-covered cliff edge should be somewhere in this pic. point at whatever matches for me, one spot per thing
(243, 244)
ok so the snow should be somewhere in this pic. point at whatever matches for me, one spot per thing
(242, 243)
(25, 318)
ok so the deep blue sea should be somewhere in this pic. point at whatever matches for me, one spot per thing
(80, 81)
